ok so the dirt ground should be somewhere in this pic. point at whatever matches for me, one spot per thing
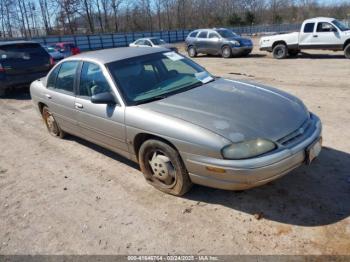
(72, 197)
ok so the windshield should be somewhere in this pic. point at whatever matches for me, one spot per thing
(158, 41)
(146, 78)
(226, 33)
(340, 25)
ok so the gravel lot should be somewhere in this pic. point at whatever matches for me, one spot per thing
(72, 197)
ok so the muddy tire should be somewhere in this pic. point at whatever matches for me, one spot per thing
(51, 124)
(347, 51)
(280, 51)
(2, 92)
(226, 52)
(192, 52)
(163, 167)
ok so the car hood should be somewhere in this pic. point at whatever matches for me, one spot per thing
(236, 110)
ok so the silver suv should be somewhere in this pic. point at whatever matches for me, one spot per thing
(217, 41)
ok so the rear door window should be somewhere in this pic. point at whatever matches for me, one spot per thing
(66, 76)
(51, 79)
(309, 28)
(203, 34)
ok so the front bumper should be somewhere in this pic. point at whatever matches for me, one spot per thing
(245, 174)
(238, 50)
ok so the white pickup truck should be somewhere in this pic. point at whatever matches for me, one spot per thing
(316, 33)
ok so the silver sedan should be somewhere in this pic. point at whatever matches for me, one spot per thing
(180, 123)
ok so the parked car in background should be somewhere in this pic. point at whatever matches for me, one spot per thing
(56, 55)
(22, 62)
(153, 42)
(217, 41)
(316, 33)
(67, 49)
(181, 124)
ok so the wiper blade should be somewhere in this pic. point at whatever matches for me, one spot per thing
(151, 99)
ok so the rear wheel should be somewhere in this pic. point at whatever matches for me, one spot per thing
(51, 124)
(192, 51)
(280, 51)
(226, 52)
(347, 51)
(2, 92)
(163, 168)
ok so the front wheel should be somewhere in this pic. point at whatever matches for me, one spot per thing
(163, 168)
(347, 51)
(226, 52)
(280, 51)
(51, 124)
(192, 51)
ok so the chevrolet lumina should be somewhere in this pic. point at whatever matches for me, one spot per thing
(181, 124)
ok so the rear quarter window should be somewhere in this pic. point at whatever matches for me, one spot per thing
(309, 27)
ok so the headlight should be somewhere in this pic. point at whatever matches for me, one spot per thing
(248, 149)
(235, 43)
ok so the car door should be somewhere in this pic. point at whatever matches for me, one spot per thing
(213, 46)
(60, 95)
(326, 36)
(202, 42)
(100, 123)
(306, 35)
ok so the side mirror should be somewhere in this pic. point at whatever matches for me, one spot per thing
(334, 29)
(103, 98)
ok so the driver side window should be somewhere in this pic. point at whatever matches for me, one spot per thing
(92, 80)
(325, 27)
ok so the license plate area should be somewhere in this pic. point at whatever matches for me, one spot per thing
(313, 150)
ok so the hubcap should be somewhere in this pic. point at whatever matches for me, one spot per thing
(280, 52)
(51, 125)
(226, 52)
(162, 169)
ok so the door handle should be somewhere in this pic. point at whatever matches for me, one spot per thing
(315, 35)
(78, 106)
(48, 96)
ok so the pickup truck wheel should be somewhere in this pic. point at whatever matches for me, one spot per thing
(347, 51)
(163, 168)
(192, 51)
(226, 52)
(2, 92)
(51, 124)
(280, 51)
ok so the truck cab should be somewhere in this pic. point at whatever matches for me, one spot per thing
(317, 33)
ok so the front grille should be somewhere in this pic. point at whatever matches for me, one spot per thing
(298, 135)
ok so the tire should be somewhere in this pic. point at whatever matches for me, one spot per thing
(280, 51)
(163, 167)
(226, 52)
(347, 51)
(2, 92)
(51, 124)
(192, 52)
(293, 53)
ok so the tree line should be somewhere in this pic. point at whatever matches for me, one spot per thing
(28, 18)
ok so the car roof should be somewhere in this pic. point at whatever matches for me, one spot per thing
(105, 56)
(317, 19)
(17, 42)
(148, 38)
